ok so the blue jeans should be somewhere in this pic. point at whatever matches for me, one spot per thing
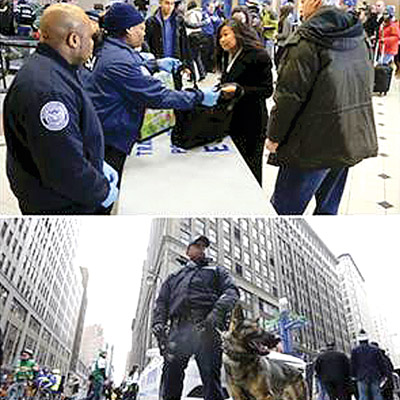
(369, 390)
(294, 188)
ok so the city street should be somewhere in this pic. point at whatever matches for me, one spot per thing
(373, 186)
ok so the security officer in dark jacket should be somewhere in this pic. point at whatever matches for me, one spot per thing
(322, 122)
(54, 139)
(195, 301)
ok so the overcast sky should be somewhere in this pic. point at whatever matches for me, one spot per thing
(113, 249)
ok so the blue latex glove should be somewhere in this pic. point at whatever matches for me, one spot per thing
(169, 64)
(211, 96)
(112, 195)
(147, 56)
(110, 173)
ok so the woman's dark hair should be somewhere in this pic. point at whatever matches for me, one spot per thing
(246, 38)
(283, 14)
(191, 5)
(244, 10)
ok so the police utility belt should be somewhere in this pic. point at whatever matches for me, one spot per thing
(189, 318)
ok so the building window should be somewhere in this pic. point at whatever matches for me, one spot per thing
(2, 259)
(10, 234)
(227, 245)
(244, 224)
(245, 241)
(246, 258)
(239, 269)
(184, 236)
(18, 310)
(257, 265)
(3, 230)
(199, 227)
(212, 233)
(3, 295)
(247, 275)
(226, 226)
(236, 234)
(238, 252)
(259, 281)
(213, 253)
(227, 262)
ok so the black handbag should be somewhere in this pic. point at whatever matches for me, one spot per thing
(203, 125)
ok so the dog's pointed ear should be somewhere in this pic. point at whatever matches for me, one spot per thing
(237, 317)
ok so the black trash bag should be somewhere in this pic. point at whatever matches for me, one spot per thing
(203, 125)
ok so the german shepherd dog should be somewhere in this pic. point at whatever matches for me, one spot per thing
(249, 374)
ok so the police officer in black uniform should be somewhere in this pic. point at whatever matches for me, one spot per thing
(54, 138)
(194, 302)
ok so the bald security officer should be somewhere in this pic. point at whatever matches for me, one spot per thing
(55, 148)
(195, 302)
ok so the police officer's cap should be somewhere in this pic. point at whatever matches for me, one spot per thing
(201, 241)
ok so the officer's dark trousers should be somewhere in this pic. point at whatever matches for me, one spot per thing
(185, 341)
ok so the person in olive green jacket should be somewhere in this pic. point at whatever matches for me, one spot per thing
(322, 122)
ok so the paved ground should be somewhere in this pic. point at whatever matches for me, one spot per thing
(373, 186)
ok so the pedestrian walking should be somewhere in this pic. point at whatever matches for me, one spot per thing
(322, 122)
(387, 387)
(194, 23)
(368, 368)
(98, 376)
(285, 29)
(332, 368)
(242, 59)
(54, 138)
(195, 300)
(388, 38)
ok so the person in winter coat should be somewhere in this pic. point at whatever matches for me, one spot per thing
(242, 59)
(285, 28)
(166, 33)
(333, 370)
(389, 36)
(121, 86)
(388, 386)
(194, 301)
(322, 122)
(369, 368)
(6, 18)
(194, 22)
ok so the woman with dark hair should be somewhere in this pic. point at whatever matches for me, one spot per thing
(285, 28)
(242, 59)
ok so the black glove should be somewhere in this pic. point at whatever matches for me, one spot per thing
(215, 320)
(159, 332)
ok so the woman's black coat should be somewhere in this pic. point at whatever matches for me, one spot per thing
(252, 71)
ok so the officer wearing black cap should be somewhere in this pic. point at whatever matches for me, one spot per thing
(194, 302)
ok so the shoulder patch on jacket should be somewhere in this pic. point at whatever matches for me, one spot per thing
(54, 116)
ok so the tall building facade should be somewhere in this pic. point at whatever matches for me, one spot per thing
(74, 364)
(358, 315)
(40, 288)
(269, 258)
(92, 342)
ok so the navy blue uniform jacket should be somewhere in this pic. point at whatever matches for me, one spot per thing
(195, 291)
(55, 146)
(367, 363)
(121, 87)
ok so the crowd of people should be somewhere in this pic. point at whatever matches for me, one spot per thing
(68, 137)
(367, 375)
